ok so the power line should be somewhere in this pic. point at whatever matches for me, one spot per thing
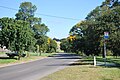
(8, 8)
(57, 16)
(41, 14)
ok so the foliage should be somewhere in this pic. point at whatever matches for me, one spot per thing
(26, 12)
(25, 32)
(41, 43)
(16, 34)
(65, 45)
(40, 29)
(52, 45)
(90, 32)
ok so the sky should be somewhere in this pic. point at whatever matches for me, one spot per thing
(59, 27)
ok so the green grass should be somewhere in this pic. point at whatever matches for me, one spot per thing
(85, 73)
(114, 60)
(109, 59)
(33, 56)
(6, 61)
(2, 53)
(84, 70)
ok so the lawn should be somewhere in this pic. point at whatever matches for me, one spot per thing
(85, 73)
(33, 56)
(84, 70)
(2, 53)
(110, 59)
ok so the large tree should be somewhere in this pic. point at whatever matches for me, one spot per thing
(16, 35)
(27, 13)
(104, 18)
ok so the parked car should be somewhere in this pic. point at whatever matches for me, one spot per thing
(12, 55)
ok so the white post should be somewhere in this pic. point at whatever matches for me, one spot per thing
(94, 61)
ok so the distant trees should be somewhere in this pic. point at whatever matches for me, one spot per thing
(65, 45)
(90, 32)
(52, 45)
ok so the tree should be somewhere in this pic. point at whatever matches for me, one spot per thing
(27, 13)
(41, 43)
(103, 18)
(52, 45)
(65, 45)
(40, 35)
(40, 29)
(16, 35)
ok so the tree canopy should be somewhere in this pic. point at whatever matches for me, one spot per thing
(25, 32)
(16, 34)
(90, 32)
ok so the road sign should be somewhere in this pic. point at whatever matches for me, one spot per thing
(106, 35)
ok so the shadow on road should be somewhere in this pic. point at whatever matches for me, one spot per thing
(69, 58)
(59, 65)
(64, 55)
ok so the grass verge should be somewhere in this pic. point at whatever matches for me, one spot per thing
(2, 53)
(84, 70)
(110, 59)
(33, 56)
(85, 73)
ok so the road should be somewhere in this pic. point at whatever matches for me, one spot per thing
(37, 69)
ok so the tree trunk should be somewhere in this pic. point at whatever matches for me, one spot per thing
(19, 55)
(28, 55)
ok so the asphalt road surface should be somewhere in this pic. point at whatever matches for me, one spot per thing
(37, 69)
